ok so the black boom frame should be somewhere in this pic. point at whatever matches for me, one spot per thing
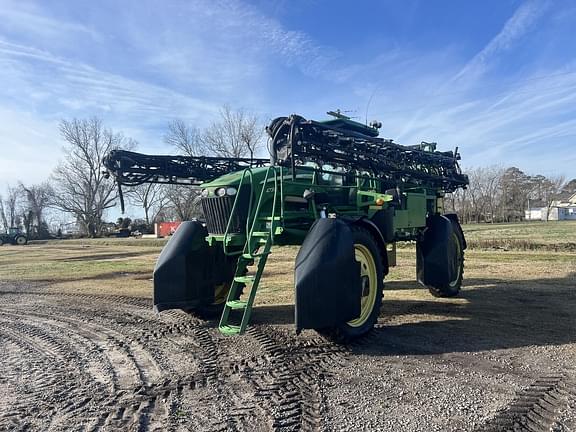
(132, 169)
(297, 141)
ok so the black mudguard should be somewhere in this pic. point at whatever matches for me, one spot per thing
(184, 272)
(433, 252)
(327, 277)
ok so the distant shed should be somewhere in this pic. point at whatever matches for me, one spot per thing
(165, 229)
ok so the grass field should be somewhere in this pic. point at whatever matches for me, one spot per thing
(552, 235)
(498, 252)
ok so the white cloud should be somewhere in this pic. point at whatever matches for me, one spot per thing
(530, 124)
(222, 44)
(517, 26)
(81, 89)
(28, 18)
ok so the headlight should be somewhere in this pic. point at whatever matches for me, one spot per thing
(204, 193)
(230, 191)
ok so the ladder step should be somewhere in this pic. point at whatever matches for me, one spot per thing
(244, 279)
(229, 329)
(260, 234)
(256, 255)
(236, 304)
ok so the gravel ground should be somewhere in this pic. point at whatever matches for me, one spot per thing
(503, 360)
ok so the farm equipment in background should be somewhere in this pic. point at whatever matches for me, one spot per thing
(334, 188)
(14, 236)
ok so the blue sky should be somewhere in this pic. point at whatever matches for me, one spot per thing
(496, 78)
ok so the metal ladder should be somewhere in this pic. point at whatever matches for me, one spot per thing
(255, 253)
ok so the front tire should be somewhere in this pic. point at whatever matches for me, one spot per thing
(214, 310)
(368, 255)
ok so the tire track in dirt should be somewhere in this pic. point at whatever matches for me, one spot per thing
(230, 394)
(55, 383)
(535, 408)
(288, 381)
(120, 349)
(157, 405)
(129, 365)
(68, 341)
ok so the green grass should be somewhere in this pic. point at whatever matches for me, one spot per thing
(71, 260)
(125, 266)
(552, 232)
(105, 242)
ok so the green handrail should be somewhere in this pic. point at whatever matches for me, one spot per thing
(226, 233)
(252, 216)
(259, 205)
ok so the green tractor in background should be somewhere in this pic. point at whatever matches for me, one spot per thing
(334, 188)
(14, 236)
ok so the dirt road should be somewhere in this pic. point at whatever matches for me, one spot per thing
(501, 357)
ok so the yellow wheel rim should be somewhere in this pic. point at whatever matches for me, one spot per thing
(458, 262)
(369, 280)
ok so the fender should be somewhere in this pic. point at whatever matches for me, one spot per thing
(433, 251)
(183, 276)
(327, 277)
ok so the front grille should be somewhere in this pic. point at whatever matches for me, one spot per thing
(217, 210)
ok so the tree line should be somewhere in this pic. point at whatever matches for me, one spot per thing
(78, 186)
(497, 194)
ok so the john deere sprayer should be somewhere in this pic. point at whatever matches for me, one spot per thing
(334, 188)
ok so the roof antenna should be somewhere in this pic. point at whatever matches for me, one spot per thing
(369, 102)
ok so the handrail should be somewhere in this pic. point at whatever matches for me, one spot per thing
(260, 199)
(252, 216)
(226, 233)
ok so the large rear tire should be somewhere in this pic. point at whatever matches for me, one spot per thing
(368, 254)
(456, 262)
(20, 240)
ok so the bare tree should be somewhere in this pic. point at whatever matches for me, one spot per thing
(184, 202)
(237, 134)
(3, 217)
(488, 182)
(37, 201)
(184, 138)
(551, 189)
(515, 188)
(152, 197)
(12, 204)
(569, 189)
(80, 187)
(501, 195)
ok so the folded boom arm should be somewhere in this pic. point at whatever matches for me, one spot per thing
(132, 169)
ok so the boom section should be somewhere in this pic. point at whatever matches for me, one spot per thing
(132, 169)
(297, 141)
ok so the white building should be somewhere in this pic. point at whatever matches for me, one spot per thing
(558, 211)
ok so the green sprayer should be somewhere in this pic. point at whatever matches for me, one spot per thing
(334, 188)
